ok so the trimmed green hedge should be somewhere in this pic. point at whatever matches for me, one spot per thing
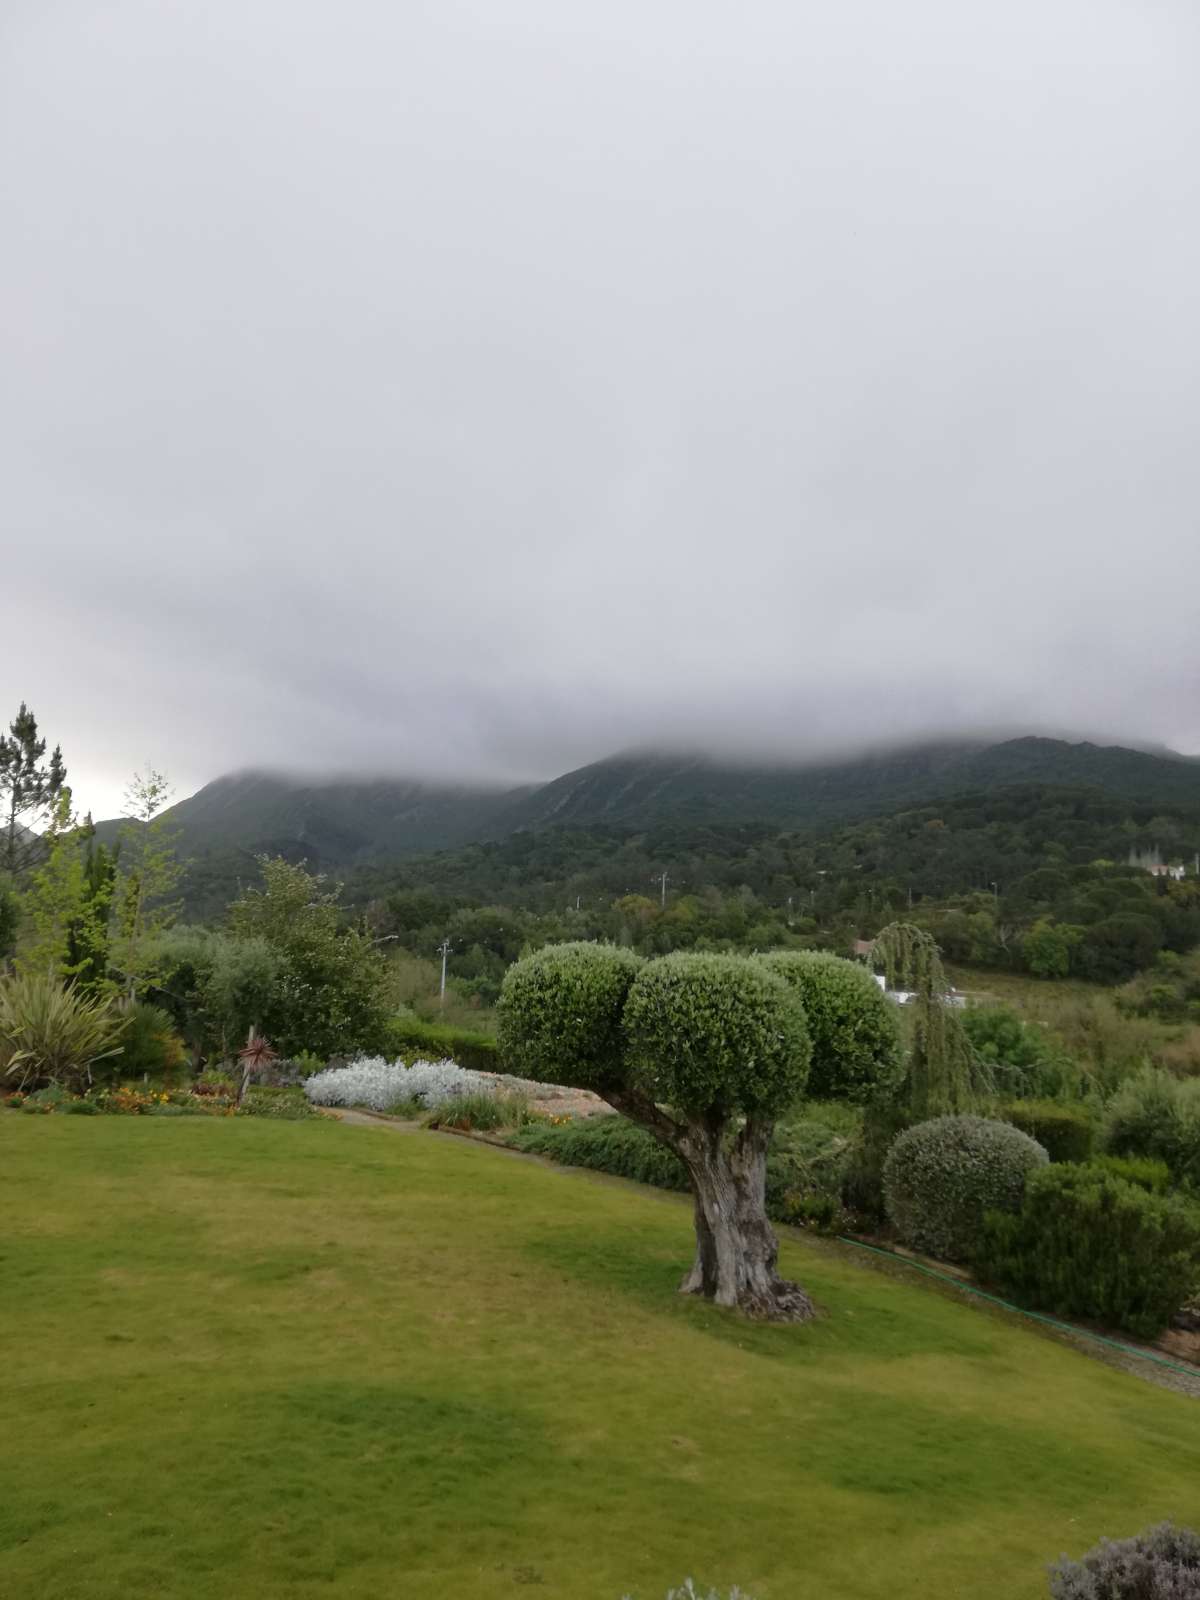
(1087, 1244)
(1065, 1132)
(805, 1166)
(478, 1051)
(605, 1144)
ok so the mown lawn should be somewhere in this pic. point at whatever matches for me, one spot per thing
(253, 1359)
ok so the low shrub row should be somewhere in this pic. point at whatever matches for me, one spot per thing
(476, 1051)
(127, 1100)
(605, 1144)
(1087, 1243)
(1103, 1240)
(804, 1168)
(1066, 1132)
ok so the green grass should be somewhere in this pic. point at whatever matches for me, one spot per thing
(273, 1359)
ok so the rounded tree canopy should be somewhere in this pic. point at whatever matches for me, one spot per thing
(854, 1030)
(716, 1032)
(560, 1014)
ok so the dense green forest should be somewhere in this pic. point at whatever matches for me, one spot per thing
(1030, 877)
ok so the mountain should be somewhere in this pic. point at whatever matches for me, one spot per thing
(636, 791)
(330, 823)
(347, 822)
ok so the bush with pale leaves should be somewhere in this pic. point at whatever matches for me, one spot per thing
(688, 1591)
(379, 1084)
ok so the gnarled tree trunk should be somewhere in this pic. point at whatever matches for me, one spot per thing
(736, 1247)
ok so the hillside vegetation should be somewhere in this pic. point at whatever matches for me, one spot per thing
(345, 823)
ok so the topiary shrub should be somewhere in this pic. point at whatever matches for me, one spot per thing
(704, 1051)
(718, 1031)
(1065, 1132)
(1087, 1244)
(566, 1002)
(853, 1029)
(1161, 1564)
(941, 1176)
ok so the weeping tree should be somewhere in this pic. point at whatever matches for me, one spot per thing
(705, 1051)
(943, 1076)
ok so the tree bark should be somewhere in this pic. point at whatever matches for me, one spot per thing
(736, 1247)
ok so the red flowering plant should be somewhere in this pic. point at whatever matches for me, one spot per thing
(256, 1055)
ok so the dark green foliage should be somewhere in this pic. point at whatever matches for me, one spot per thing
(10, 916)
(1161, 1564)
(1087, 1244)
(402, 1035)
(1154, 1114)
(149, 1044)
(1144, 1171)
(853, 1029)
(560, 1015)
(884, 1119)
(1066, 1132)
(716, 1032)
(804, 1167)
(87, 935)
(942, 1176)
(1022, 1060)
(605, 1144)
(329, 995)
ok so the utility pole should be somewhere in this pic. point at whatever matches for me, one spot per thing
(663, 878)
(444, 951)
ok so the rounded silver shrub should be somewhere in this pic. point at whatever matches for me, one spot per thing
(941, 1176)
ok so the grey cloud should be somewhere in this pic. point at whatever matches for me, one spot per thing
(473, 389)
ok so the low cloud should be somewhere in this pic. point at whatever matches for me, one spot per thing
(472, 391)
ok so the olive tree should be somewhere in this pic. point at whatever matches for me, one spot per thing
(705, 1051)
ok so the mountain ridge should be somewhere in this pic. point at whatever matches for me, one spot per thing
(342, 822)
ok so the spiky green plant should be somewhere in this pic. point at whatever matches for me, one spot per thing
(51, 1032)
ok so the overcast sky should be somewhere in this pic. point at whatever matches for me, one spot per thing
(474, 388)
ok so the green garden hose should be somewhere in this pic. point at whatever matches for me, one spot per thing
(1037, 1316)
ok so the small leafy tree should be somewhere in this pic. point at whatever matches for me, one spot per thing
(29, 787)
(703, 1050)
(67, 902)
(148, 873)
(330, 996)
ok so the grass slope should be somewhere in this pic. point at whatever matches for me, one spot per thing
(309, 1360)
